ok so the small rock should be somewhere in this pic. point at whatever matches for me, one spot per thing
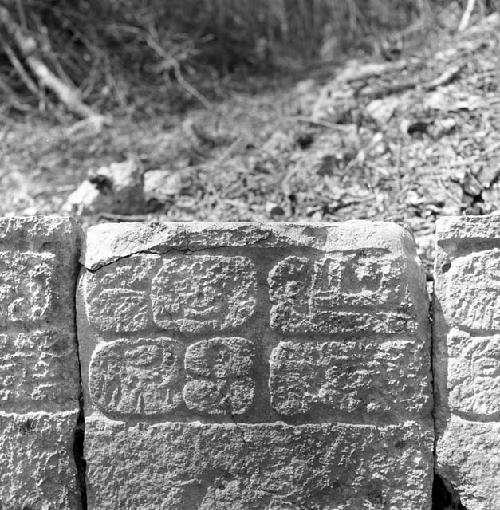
(87, 199)
(381, 110)
(117, 189)
(305, 86)
(443, 127)
(273, 209)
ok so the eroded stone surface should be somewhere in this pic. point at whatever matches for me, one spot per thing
(137, 377)
(360, 378)
(184, 466)
(467, 358)
(39, 373)
(471, 291)
(220, 376)
(117, 297)
(38, 265)
(336, 293)
(468, 457)
(37, 469)
(28, 287)
(39, 368)
(474, 374)
(203, 293)
(322, 326)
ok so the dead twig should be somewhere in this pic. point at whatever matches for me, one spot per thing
(320, 123)
(464, 22)
(444, 79)
(367, 71)
(171, 61)
(28, 48)
(188, 87)
(396, 88)
(124, 217)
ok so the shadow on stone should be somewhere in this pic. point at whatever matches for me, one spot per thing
(78, 453)
(444, 497)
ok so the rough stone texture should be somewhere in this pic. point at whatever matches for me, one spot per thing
(39, 373)
(38, 370)
(117, 297)
(378, 379)
(468, 454)
(141, 377)
(203, 293)
(219, 376)
(28, 280)
(330, 294)
(199, 341)
(467, 358)
(183, 466)
(36, 458)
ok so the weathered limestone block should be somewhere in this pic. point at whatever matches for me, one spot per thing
(39, 373)
(184, 466)
(232, 330)
(467, 358)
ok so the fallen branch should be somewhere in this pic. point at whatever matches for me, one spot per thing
(27, 46)
(120, 218)
(321, 123)
(464, 23)
(366, 71)
(396, 88)
(444, 79)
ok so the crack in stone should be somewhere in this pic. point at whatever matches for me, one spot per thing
(79, 434)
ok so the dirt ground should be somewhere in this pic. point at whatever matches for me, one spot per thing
(405, 140)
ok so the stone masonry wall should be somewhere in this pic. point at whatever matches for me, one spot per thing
(246, 366)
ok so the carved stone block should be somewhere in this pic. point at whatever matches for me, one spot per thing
(467, 358)
(39, 372)
(198, 341)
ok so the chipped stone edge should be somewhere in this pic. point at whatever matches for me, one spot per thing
(108, 242)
